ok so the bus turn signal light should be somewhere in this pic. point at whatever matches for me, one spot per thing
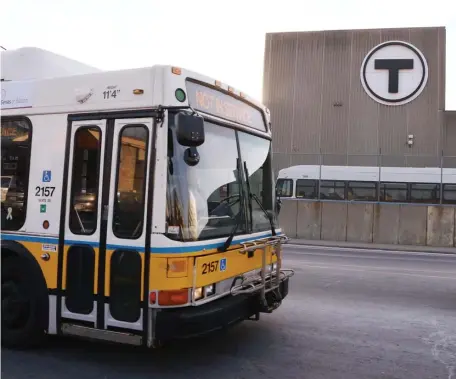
(176, 70)
(152, 297)
(174, 297)
(177, 268)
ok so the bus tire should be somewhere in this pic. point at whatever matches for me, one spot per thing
(23, 304)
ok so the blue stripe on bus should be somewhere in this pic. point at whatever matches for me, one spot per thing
(154, 249)
(195, 248)
(23, 238)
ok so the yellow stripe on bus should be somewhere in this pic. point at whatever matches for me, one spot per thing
(48, 268)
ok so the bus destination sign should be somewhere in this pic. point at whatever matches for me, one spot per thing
(219, 104)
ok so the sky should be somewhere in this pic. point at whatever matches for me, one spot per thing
(224, 40)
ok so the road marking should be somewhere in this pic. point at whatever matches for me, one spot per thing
(373, 250)
(410, 257)
(388, 270)
(380, 268)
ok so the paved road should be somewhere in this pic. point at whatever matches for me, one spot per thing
(350, 314)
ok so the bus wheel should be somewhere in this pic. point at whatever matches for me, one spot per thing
(21, 305)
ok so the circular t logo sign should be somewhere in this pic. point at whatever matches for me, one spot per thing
(394, 73)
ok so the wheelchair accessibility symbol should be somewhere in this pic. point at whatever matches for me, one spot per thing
(47, 176)
(223, 264)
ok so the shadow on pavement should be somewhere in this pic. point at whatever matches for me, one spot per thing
(67, 357)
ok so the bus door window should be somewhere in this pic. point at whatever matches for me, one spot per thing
(16, 148)
(131, 182)
(85, 180)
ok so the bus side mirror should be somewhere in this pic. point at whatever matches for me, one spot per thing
(189, 130)
(278, 204)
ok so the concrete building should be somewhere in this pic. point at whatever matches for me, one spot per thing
(372, 97)
(359, 97)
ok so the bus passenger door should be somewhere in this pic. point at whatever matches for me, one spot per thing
(83, 229)
(103, 266)
(127, 225)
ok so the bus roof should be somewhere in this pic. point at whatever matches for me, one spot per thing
(28, 63)
(370, 173)
(63, 85)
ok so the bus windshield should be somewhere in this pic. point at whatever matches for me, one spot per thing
(208, 199)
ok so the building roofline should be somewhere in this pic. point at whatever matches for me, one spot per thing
(360, 30)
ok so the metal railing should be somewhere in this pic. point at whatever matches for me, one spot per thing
(265, 282)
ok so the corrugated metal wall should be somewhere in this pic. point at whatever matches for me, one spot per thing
(449, 146)
(321, 113)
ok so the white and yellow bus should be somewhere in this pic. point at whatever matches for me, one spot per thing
(138, 206)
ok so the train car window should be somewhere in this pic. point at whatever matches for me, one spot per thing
(449, 194)
(284, 188)
(425, 193)
(306, 189)
(332, 190)
(364, 191)
(393, 192)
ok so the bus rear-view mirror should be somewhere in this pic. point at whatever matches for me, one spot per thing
(189, 129)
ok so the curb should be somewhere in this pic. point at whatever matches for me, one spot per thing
(366, 246)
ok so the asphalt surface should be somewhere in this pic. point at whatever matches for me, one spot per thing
(350, 314)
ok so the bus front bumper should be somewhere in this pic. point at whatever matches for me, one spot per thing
(188, 322)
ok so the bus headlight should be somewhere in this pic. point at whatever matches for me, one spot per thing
(198, 293)
(209, 290)
(272, 268)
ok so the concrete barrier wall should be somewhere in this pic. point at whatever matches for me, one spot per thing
(287, 217)
(440, 226)
(308, 220)
(405, 224)
(360, 221)
(386, 223)
(334, 221)
(412, 225)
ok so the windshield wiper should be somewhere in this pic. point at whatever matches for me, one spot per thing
(254, 196)
(228, 241)
(238, 217)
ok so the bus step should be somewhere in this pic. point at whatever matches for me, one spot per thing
(103, 335)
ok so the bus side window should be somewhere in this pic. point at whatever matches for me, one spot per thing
(332, 190)
(16, 148)
(306, 189)
(425, 193)
(362, 191)
(85, 180)
(449, 194)
(393, 192)
(131, 182)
